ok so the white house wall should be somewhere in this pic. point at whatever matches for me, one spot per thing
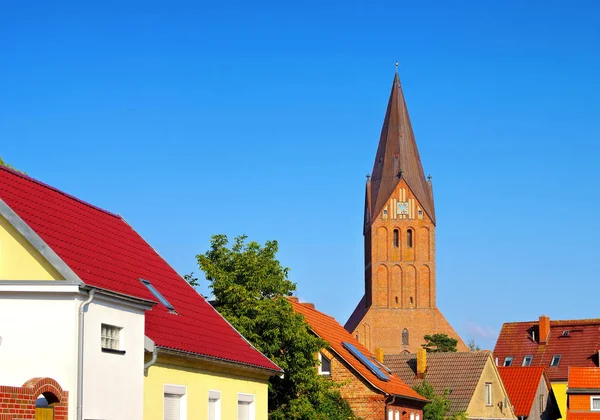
(113, 383)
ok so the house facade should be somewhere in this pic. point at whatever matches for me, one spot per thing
(399, 305)
(98, 312)
(472, 379)
(530, 392)
(555, 345)
(583, 393)
(371, 390)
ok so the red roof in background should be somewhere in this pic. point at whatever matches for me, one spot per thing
(584, 378)
(578, 348)
(331, 331)
(521, 383)
(582, 415)
(105, 252)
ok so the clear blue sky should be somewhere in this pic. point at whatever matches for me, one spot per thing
(263, 118)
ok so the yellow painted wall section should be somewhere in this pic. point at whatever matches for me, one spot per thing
(477, 406)
(19, 260)
(560, 393)
(198, 382)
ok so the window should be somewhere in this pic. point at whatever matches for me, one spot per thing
(508, 361)
(412, 416)
(396, 238)
(385, 213)
(245, 407)
(527, 360)
(324, 365)
(390, 414)
(595, 403)
(409, 238)
(110, 337)
(555, 360)
(397, 415)
(565, 333)
(214, 405)
(174, 402)
(405, 337)
(488, 394)
(157, 295)
(542, 406)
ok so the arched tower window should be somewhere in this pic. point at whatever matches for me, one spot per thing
(396, 238)
(405, 337)
(409, 238)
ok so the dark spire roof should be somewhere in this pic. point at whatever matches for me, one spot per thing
(398, 157)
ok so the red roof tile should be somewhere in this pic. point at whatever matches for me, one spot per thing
(582, 415)
(521, 383)
(331, 331)
(578, 348)
(105, 252)
(584, 378)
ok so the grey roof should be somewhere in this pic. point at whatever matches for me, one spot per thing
(459, 372)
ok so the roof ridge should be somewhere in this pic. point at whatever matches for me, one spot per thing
(50, 187)
(555, 321)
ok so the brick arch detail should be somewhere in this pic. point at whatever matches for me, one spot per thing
(41, 386)
(19, 401)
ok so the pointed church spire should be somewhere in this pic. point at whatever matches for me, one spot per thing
(398, 157)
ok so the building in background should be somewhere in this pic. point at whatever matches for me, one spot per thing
(471, 378)
(583, 394)
(399, 305)
(555, 345)
(372, 391)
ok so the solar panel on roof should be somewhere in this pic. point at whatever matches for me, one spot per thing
(365, 361)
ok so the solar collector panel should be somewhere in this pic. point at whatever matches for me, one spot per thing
(365, 361)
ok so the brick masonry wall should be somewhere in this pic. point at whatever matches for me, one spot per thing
(19, 402)
(366, 402)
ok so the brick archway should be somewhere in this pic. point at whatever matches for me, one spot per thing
(20, 401)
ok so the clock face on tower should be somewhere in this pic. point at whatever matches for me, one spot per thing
(402, 207)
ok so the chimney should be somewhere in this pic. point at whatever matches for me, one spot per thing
(379, 354)
(309, 305)
(544, 327)
(421, 362)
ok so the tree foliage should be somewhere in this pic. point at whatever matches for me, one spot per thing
(439, 406)
(473, 346)
(249, 285)
(3, 163)
(439, 343)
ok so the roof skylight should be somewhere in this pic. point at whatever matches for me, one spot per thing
(365, 361)
(157, 295)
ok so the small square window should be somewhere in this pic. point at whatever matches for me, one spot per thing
(324, 365)
(555, 360)
(110, 337)
(527, 360)
(508, 360)
(595, 403)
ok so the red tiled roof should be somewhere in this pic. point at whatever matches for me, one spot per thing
(521, 383)
(582, 415)
(584, 378)
(105, 252)
(331, 331)
(578, 348)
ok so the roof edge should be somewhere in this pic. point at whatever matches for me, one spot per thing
(38, 243)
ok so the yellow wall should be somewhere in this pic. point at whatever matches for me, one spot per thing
(19, 260)
(199, 378)
(478, 408)
(560, 393)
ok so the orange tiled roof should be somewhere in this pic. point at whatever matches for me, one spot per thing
(331, 331)
(583, 415)
(521, 383)
(584, 378)
(578, 348)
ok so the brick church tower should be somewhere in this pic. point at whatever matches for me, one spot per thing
(399, 306)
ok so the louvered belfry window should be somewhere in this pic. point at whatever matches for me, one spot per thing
(110, 337)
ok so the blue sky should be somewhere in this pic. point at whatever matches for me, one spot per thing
(191, 119)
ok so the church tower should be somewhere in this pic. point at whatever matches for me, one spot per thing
(399, 305)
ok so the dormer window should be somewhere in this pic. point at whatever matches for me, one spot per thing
(555, 360)
(508, 360)
(527, 360)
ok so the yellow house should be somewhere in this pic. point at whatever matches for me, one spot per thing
(151, 346)
(472, 379)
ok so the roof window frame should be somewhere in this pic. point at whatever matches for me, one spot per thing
(508, 359)
(556, 357)
(530, 356)
(163, 300)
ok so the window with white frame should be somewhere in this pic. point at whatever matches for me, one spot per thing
(595, 403)
(246, 407)
(527, 360)
(174, 402)
(555, 360)
(324, 365)
(508, 361)
(390, 414)
(397, 415)
(110, 337)
(412, 416)
(214, 405)
(488, 393)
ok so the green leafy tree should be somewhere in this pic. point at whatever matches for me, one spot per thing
(250, 285)
(3, 163)
(439, 343)
(439, 406)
